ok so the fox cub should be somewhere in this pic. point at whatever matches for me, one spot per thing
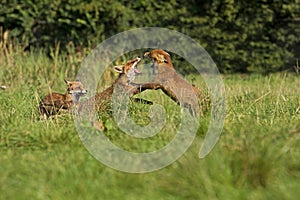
(54, 103)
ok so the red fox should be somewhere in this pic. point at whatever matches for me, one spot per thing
(171, 82)
(127, 73)
(54, 103)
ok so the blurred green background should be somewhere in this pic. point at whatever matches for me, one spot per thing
(241, 36)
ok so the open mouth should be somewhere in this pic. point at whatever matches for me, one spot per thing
(135, 69)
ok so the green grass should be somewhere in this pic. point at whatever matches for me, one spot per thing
(257, 156)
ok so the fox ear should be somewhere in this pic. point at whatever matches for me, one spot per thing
(118, 68)
(67, 82)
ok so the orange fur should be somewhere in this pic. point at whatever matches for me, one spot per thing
(171, 82)
(54, 103)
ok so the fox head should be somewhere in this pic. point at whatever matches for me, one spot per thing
(159, 56)
(75, 88)
(129, 69)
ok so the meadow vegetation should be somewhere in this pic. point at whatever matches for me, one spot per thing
(257, 156)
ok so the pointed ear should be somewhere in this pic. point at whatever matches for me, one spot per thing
(67, 82)
(119, 68)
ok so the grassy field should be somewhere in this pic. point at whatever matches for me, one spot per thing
(257, 156)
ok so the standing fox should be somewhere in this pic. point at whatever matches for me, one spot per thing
(171, 82)
(54, 103)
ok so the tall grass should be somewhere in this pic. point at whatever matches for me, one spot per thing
(257, 156)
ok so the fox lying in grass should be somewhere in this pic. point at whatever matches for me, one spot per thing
(171, 82)
(54, 103)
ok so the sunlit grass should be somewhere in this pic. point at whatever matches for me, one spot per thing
(257, 156)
